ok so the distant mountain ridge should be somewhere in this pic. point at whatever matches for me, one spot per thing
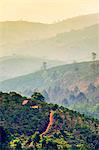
(74, 23)
(80, 42)
(65, 45)
(16, 36)
(14, 66)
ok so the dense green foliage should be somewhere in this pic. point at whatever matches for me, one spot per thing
(38, 96)
(22, 126)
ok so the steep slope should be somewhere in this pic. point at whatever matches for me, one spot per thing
(22, 126)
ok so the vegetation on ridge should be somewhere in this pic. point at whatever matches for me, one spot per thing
(22, 126)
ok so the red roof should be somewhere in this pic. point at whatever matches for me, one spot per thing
(25, 102)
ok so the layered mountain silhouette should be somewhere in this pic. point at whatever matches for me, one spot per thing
(80, 42)
(21, 37)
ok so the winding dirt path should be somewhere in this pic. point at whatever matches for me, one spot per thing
(50, 123)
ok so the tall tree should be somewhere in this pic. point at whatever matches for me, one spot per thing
(94, 56)
(44, 66)
(94, 65)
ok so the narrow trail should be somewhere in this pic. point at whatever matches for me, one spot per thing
(50, 123)
(50, 118)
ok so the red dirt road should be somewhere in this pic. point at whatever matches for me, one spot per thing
(50, 123)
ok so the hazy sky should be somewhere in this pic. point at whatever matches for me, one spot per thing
(45, 10)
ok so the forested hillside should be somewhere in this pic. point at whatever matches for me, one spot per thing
(30, 123)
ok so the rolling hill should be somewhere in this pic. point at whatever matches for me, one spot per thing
(21, 37)
(80, 42)
(65, 45)
(48, 126)
(14, 66)
(65, 75)
(37, 30)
